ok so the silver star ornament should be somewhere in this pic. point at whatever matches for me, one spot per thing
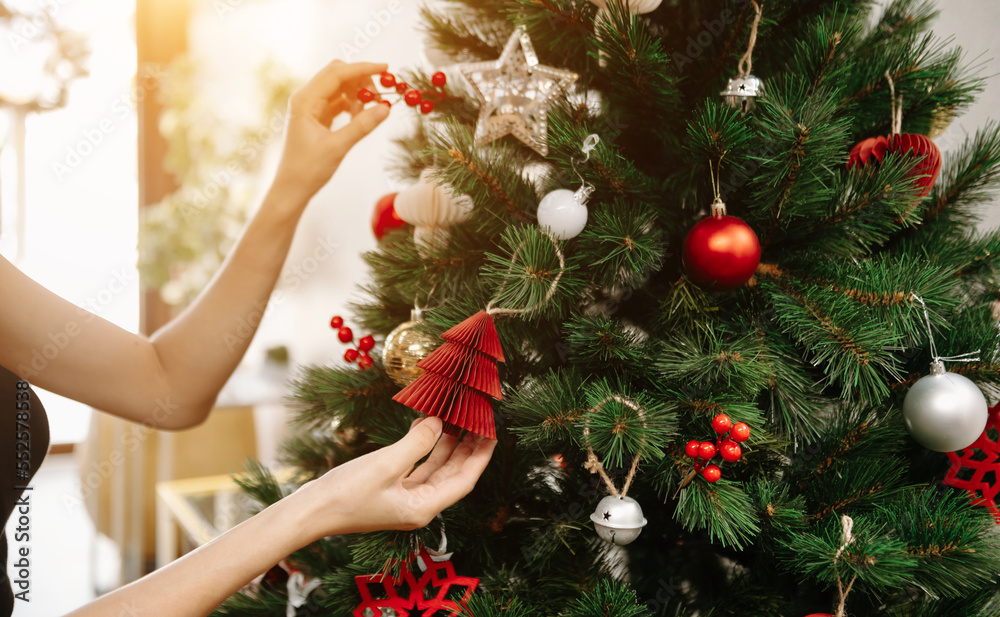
(515, 93)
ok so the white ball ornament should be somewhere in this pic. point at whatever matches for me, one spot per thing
(564, 212)
(431, 208)
(945, 411)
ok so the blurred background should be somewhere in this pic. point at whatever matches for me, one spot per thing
(123, 121)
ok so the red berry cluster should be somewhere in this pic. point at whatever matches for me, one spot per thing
(365, 343)
(726, 445)
(411, 96)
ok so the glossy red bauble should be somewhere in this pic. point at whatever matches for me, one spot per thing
(730, 451)
(691, 449)
(384, 217)
(345, 335)
(721, 253)
(711, 473)
(872, 151)
(740, 432)
(721, 423)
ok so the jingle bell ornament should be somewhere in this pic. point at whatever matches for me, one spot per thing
(404, 348)
(431, 207)
(721, 252)
(741, 92)
(618, 520)
(945, 411)
(564, 212)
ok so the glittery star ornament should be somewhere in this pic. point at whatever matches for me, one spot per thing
(977, 468)
(515, 93)
(406, 595)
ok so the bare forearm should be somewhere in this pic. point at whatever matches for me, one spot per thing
(200, 348)
(198, 582)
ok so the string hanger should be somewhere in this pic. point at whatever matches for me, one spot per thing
(593, 464)
(847, 527)
(937, 365)
(715, 174)
(895, 107)
(746, 61)
(586, 189)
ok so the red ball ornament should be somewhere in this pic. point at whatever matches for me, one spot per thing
(721, 423)
(337, 322)
(691, 449)
(872, 151)
(345, 335)
(740, 432)
(711, 473)
(351, 355)
(730, 451)
(706, 450)
(366, 343)
(365, 95)
(439, 79)
(819, 615)
(412, 98)
(721, 252)
(426, 107)
(384, 217)
(387, 80)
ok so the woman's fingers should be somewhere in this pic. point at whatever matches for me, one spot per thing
(333, 76)
(359, 126)
(439, 456)
(417, 443)
(458, 476)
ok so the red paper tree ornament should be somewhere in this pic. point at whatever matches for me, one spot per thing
(872, 151)
(977, 468)
(430, 595)
(460, 378)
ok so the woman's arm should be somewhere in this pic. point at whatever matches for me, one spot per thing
(380, 490)
(172, 379)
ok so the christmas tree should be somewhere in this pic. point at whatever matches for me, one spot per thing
(770, 328)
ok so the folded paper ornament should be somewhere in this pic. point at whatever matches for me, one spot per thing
(460, 377)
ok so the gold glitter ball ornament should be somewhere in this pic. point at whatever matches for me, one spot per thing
(404, 347)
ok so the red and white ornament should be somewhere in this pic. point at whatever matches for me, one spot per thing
(384, 217)
(721, 252)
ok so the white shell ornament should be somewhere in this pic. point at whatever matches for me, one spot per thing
(634, 6)
(431, 208)
(618, 520)
(945, 411)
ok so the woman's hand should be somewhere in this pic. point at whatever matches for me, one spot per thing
(382, 490)
(312, 152)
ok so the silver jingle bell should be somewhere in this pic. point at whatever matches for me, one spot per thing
(945, 411)
(741, 92)
(618, 520)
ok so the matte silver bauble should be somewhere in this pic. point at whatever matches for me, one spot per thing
(945, 411)
(618, 520)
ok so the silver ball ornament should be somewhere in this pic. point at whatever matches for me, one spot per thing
(564, 213)
(945, 411)
(618, 520)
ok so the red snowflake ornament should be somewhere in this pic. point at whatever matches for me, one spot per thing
(977, 468)
(430, 595)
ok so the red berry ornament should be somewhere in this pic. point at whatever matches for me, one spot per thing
(345, 335)
(721, 252)
(412, 98)
(365, 95)
(711, 473)
(351, 355)
(384, 217)
(402, 87)
(721, 423)
(439, 79)
(366, 343)
(387, 80)
(872, 151)
(740, 432)
(337, 322)
(706, 450)
(365, 361)
(426, 107)
(691, 449)
(730, 451)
